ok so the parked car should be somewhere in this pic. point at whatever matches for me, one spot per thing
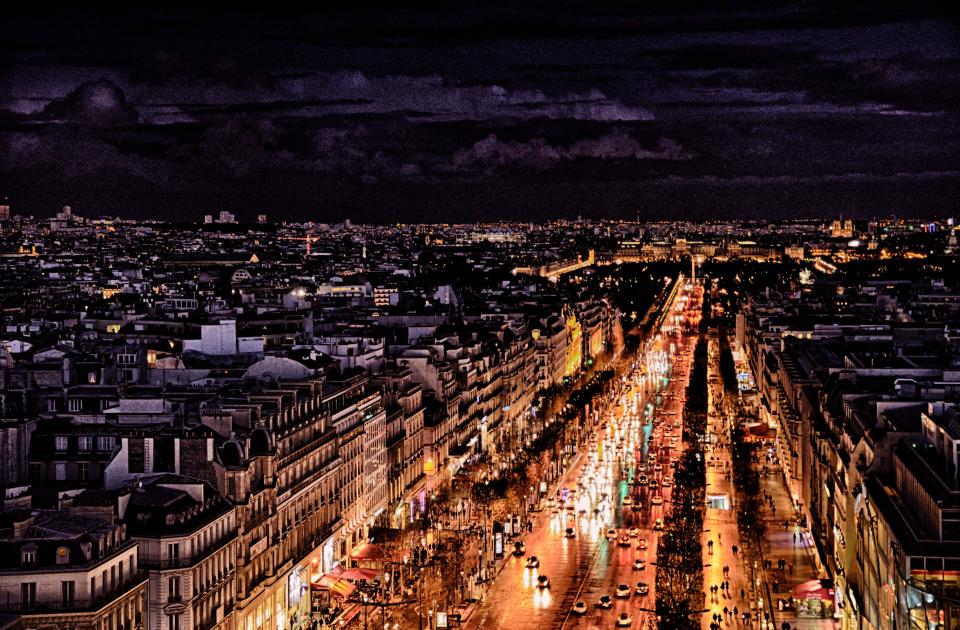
(642, 588)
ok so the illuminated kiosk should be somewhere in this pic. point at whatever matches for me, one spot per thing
(814, 598)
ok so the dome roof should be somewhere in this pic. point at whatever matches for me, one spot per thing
(278, 368)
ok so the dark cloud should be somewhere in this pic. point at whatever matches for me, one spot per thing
(98, 103)
(483, 107)
(537, 154)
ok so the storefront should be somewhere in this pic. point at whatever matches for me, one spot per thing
(298, 602)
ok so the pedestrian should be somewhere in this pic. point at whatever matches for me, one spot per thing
(794, 538)
(725, 612)
(743, 594)
(734, 549)
(736, 613)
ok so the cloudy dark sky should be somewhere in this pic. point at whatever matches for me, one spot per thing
(388, 115)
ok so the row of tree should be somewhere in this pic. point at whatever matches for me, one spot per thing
(679, 582)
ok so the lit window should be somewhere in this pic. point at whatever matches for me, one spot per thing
(61, 443)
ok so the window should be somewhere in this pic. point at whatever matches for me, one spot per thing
(28, 594)
(60, 443)
(84, 443)
(67, 593)
(173, 589)
(136, 455)
(60, 471)
(83, 471)
(28, 556)
(173, 551)
(105, 442)
(173, 621)
(74, 404)
(63, 555)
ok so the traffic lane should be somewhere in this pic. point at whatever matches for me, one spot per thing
(614, 566)
(515, 601)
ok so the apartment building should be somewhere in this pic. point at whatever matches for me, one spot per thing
(64, 571)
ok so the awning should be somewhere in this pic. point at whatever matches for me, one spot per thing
(761, 429)
(367, 551)
(336, 585)
(814, 589)
(360, 574)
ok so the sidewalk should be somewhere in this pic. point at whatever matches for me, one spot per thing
(794, 550)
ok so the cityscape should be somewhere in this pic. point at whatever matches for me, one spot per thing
(436, 319)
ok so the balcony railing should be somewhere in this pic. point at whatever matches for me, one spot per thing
(75, 605)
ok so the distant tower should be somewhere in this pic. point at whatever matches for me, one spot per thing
(363, 252)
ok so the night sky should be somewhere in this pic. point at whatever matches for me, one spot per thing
(387, 115)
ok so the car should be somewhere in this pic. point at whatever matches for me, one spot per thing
(569, 533)
(611, 534)
(642, 544)
(533, 562)
(624, 620)
(634, 532)
(642, 588)
(642, 480)
(580, 608)
(624, 541)
(656, 500)
(605, 602)
(623, 590)
(657, 468)
(627, 500)
(658, 525)
(666, 483)
(570, 506)
(543, 582)
(639, 564)
(518, 548)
